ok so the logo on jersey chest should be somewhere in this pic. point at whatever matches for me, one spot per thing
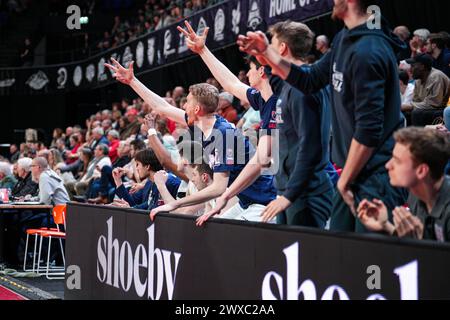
(338, 79)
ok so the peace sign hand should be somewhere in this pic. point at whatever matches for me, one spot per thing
(194, 42)
(120, 73)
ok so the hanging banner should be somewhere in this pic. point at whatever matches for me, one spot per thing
(226, 21)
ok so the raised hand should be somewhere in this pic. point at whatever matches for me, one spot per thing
(194, 42)
(117, 174)
(149, 121)
(254, 43)
(120, 73)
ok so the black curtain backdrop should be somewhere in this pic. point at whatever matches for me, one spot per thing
(51, 111)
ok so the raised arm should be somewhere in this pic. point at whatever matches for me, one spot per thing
(307, 80)
(161, 152)
(158, 104)
(226, 78)
(217, 188)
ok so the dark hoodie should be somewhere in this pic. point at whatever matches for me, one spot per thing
(362, 68)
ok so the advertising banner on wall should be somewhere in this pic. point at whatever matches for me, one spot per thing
(226, 21)
(121, 254)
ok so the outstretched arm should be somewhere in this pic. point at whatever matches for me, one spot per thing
(161, 152)
(158, 104)
(307, 80)
(222, 74)
(218, 187)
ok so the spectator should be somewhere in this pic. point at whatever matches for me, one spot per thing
(147, 165)
(25, 184)
(7, 179)
(27, 54)
(322, 44)
(57, 133)
(69, 132)
(14, 153)
(404, 34)
(116, 115)
(51, 187)
(100, 160)
(54, 159)
(123, 155)
(188, 9)
(418, 42)
(61, 146)
(242, 76)
(406, 88)
(98, 135)
(133, 127)
(418, 162)
(226, 109)
(250, 119)
(106, 126)
(436, 47)
(114, 141)
(403, 66)
(431, 92)
(72, 155)
(447, 118)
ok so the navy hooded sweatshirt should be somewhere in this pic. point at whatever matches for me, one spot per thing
(362, 69)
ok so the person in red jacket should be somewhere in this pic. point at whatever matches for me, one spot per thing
(114, 141)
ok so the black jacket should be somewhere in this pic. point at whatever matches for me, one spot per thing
(362, 68)
(25, 186)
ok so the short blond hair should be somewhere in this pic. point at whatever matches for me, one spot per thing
(207, 96)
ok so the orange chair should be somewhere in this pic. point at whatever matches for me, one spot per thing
(58, 212)
(59, 217)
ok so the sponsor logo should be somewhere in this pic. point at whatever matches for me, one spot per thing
(291, 286)
(121, 266)
(338, 79)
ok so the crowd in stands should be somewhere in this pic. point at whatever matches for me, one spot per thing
(136, 154)
(154, 15)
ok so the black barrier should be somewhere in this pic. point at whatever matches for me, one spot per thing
(225, 20)
(119, 254)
